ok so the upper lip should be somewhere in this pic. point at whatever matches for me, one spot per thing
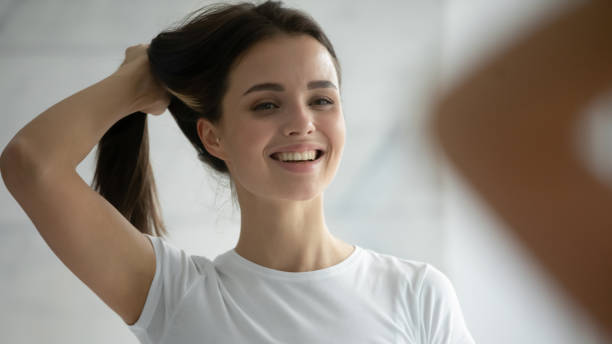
(299, 148)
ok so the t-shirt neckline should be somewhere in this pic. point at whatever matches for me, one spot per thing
(252, 266)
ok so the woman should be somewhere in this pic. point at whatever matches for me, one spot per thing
(256, 91)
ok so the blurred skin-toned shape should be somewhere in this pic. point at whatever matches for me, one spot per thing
(509, 128)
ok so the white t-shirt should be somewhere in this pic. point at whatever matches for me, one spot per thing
(367, 298)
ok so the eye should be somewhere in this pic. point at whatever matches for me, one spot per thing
(264, 106)
(321, 101)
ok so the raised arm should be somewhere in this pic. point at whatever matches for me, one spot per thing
(86, 232)
(509, 128)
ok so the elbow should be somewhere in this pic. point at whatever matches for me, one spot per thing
(10, 160)
(16, 165)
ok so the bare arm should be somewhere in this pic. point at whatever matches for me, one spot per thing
(63, 135)
(509, 129)
(85, 231)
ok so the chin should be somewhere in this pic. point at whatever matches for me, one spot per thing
(301, 194)
(303, 197)
(286, 191)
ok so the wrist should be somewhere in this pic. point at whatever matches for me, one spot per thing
(129, 82)
(145, 92)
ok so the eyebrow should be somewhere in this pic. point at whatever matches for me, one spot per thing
(270, 86)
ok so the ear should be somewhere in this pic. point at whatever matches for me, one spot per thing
(209, 137)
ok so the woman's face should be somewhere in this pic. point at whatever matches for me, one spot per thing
(282, 92)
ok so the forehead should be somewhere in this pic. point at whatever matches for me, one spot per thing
(283, 59)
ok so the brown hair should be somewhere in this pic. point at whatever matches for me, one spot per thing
(193, 61)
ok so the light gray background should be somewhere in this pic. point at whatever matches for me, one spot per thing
(392, 193)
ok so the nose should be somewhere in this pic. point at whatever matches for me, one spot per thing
(299, 121)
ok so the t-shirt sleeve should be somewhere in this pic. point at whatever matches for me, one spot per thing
(175, 272)
(440, 313)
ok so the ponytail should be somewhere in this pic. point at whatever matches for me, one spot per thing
(124, 176)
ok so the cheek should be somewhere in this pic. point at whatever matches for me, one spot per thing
(337, 129)
(250, 140)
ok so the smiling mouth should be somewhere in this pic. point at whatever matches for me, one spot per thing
(319, 154)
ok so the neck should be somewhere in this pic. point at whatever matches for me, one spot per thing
(288, 235)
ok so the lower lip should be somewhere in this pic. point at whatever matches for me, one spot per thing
(300, 167)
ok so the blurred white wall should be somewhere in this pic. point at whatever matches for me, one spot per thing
(391, 194)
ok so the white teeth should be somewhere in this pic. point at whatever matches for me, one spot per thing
(293, 156)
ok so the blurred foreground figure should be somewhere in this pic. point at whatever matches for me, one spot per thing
(510, 129)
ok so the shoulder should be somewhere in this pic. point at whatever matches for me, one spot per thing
(437, 297)
(176, 272)
(435, 281)
(409, 272)
(429, 298)
(421, 279)
(173, 256)
(438, 307)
